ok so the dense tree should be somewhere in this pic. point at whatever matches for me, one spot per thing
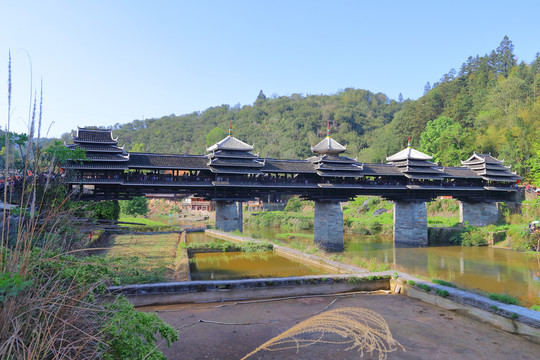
(136, 206)
(215, 135)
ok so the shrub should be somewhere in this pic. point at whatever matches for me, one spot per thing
(131, 334)
(424, 287)
(294, 205)
(375, 227)
(474, 238)
(535, 307)
(442, 293)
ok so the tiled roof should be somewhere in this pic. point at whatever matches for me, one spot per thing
(489, 168)
(409, 162)
(460, 172)
(94, 135)
(481, 158)
(288, 166)
(106, 157)
(380, 170)
(233, 170)
(408, 153)
(233, 154)
(230, 143)
(328, 146)
(183, 162)
(340, 173)
(236, 162)
(96, 148)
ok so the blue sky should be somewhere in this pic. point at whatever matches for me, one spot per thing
(108, 62)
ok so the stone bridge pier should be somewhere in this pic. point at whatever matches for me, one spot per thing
(478, 213)
(328, 228)
(410, 223)
(229, 215)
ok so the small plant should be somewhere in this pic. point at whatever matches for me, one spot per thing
(504, 298)
(514, 316)
(424, 287)
(535, 307)
(444, 283)
(494, 308)
(395, 275)
(411, 282)
(442, 293)
(354, 280)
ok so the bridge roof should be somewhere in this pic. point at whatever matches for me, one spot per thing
(409, 154)
(230, 143)
(481, 159)
(460, 172)
(183, 162)
(381, 170)
(94, 136)
(328, 146)
(288, 166)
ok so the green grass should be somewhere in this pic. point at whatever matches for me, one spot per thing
(140, 220)
(443, 282)
(219, 245)
(442, 221)
(504, 298)
(288, 236)
(149, 251)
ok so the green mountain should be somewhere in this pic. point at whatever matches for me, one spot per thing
(491, 105)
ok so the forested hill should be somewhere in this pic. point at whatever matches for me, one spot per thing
(490, 105)
(283, 127)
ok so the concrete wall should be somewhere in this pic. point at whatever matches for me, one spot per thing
(328, 231)
(229, 215)
(478, 214)
(410, 223)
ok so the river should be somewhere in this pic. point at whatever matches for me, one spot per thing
(482, 268)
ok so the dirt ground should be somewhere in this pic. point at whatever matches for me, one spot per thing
(424, 331)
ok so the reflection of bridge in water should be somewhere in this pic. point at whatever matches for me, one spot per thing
(230, 173)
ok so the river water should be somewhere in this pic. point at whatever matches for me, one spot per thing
(482, 268)
(243, 265)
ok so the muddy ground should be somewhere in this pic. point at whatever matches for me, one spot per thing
(234, 329)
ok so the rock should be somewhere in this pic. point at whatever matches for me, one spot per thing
(379, 212)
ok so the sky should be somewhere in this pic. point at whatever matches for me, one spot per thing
(104, 62)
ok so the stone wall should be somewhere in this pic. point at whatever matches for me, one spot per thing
(478, 214)
(328, 231)
(410, 223)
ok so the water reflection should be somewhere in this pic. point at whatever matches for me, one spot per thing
(240, 265)
(483, 268)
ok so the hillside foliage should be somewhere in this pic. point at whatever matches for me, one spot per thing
(490, 105)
